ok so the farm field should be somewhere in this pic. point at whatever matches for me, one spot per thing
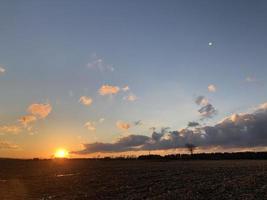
(132, 179)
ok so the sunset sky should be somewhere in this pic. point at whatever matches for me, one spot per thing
(116, 76)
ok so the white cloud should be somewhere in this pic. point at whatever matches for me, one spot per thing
(212, 88)
(2, 70)
(125, 88)
(87, 101)
(90, 126)
(263, 107)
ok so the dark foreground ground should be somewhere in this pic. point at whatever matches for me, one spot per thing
(133, 179)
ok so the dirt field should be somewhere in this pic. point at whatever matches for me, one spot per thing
(88, 179)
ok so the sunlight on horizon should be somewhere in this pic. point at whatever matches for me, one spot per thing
(61, 153)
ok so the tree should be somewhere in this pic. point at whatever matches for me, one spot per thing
(191, 148)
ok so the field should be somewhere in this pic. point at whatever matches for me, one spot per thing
(132, 179)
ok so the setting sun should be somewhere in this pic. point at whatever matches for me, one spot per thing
(61, 153)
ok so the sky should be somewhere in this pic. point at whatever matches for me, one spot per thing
(132, 76)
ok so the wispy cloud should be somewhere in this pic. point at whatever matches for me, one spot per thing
(37, 112)
(201, 101)
(254, 80)
(5, 145)
(99, 63)
(125, 88)
(130, 97)
(250, 79)
(27, 120)
(138, 123)
(13, 129)
(87, 101)
(123, 125)
(90, 126)
(101, 120)
(108, 90)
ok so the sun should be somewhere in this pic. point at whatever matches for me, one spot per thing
(61, 153)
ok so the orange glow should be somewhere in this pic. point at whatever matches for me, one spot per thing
(61, 153)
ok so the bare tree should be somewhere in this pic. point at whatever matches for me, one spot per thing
(191, 148)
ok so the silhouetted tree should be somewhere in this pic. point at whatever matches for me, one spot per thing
(191, 148)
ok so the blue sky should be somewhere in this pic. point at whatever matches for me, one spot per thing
(160, 49)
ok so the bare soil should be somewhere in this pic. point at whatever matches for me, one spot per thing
(133, 179)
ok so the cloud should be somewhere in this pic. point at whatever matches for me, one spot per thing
(123, 125)
(87, 101)
(193, 124)
(262, 107)
(126, 88)
(130, 97)
(153, 129)
(108, 90)
(37, 112)
(212, 88)
(201, 101)
(40, 110)
(90, 126)
(254, 80)
(99, 63)
(101, 120)
(129, 143)
(207, 110)
(243, 130)
(2, 70)
(13, 129)
(5, 145)
(251, 79)
(27, 119)
(138, 123)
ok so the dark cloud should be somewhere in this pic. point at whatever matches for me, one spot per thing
(138, 123)
(238, 130)
(193, 124)
(207, 111)
(201, 100)
(129, 143)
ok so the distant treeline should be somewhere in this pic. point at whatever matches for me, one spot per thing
(198, 156)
